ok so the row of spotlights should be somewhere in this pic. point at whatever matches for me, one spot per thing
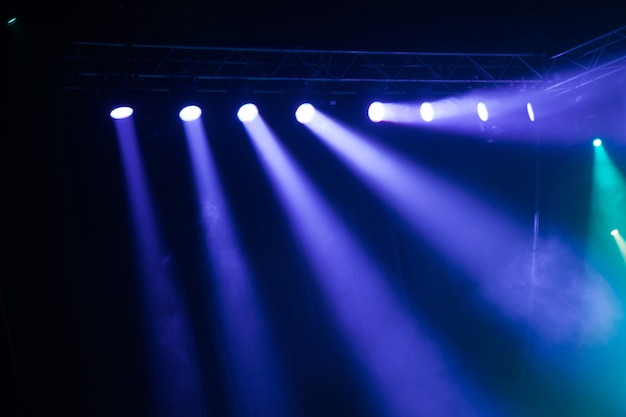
(376, 112)
(305, 112)
(246, 113)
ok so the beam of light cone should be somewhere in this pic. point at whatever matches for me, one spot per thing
(381, 334)
(449, 217)
(171, 347)
(607, 204)
(248, 350)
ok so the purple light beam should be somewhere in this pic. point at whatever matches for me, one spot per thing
(407, 375)
(172, 359)
(486, 245)
(258, 387)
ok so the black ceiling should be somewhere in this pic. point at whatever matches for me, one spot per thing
(530, 26)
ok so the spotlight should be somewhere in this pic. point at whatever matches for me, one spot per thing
(305, 113)
(427, 112)
(597, 142)
(376, 111)
(531, 112)
(121, 112)
(483, 113)
(247, 113)
(190, 113)
(614, 232)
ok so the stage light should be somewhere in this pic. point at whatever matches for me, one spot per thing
(597, 142)
(427, 112)
(190, 113)
(121, 112)
(305, 113)
(11, 21)
(531, 112)
(376, 111)
(614, 232)
(247, 113)
(483, 113)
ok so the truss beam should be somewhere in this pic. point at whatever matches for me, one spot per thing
(593, 60)
(212, 68)
(216, 69)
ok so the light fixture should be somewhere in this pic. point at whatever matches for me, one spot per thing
(122, 112)
(190, 113)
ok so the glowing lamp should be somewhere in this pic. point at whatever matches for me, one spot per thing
(121, 112)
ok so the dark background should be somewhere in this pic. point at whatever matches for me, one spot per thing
(71, 335)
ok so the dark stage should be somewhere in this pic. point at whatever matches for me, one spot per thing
(455, 249)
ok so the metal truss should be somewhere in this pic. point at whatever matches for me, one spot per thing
(217, 69)
(214, 69)
(588, 62)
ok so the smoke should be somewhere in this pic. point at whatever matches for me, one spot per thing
(563, 299)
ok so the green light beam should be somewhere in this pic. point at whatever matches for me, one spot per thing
(607, 206)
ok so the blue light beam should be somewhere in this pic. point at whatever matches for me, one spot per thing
(258, 387)
(172, 358)
(402, 365)
(484, 244)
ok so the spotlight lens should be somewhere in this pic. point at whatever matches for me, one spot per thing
(427, 112)
(376, 111)
(531, 112)
(247, 113)
(614, 232)
(483, 113)
(305, 113)
(190, 113)
(121, 112)
(597, 142)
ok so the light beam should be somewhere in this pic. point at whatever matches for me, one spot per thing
(406, 373)
(173, 361)
(249, 353)
(482, 242)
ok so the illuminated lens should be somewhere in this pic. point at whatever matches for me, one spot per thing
(597, 142)
(305, 113)
(427, 112)
(531, 112)
(190, 113)
(121, 113)
(247, 113)
(614, 232)
(483, 113)
(376, 111)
